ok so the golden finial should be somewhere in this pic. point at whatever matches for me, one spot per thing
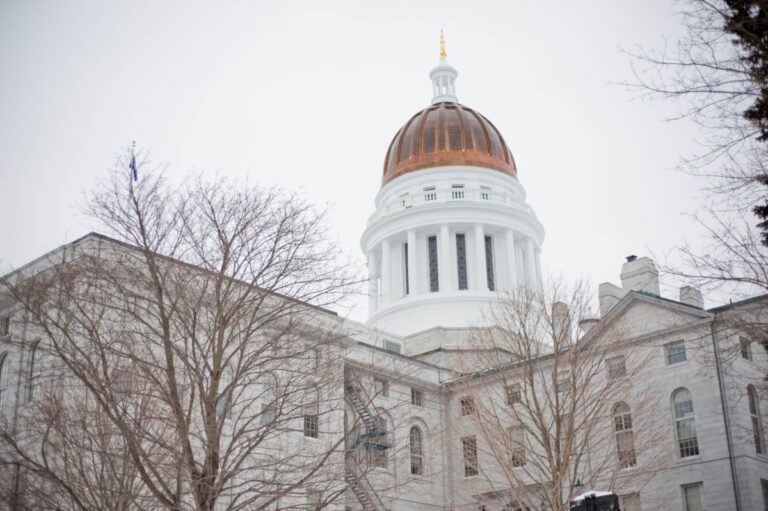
(442, 45)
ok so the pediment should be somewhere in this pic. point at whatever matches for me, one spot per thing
(640, 314)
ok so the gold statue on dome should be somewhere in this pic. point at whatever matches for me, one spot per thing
(442, 45)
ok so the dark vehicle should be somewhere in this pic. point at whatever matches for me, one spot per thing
(608, 502)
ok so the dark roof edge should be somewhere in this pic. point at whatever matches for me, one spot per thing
(740, 303)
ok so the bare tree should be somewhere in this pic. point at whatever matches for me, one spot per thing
(715, 71)
(555, 413)
(196, 340)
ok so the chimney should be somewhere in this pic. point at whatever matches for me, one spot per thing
(691, 296)
(608, 295)
(640, 274)
(586, 324)
(561, 320)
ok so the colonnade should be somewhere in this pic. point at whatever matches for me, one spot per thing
(399, 266)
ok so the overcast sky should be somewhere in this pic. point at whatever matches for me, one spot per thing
(309, 94)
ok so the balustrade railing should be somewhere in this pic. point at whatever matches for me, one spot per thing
(437, 196)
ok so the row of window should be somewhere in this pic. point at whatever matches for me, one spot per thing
(693, 501)
(685, 430)
(461, 264)
(690, 494)
(381, 388)
(674, 352)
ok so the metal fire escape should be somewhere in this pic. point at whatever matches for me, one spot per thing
(370, 435)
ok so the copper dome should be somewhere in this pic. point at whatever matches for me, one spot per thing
(447, 134)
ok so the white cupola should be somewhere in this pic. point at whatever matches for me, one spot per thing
(443, 78)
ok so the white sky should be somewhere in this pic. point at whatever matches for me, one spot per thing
(309, 94)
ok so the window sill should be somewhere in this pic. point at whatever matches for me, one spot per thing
(689, 459)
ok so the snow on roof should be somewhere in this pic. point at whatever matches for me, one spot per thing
(591, 494)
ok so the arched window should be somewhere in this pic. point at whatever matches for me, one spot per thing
(32, 371)
(685, 424)
(224, 400)
(417, 451)
(625, 436)
(3, 377)
(757, 421)
(269, 404)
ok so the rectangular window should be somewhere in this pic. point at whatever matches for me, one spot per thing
(764, 486)
(517, 446)
(405, 268)
(457, 191)
(434, 280)
(616, 367)
(417, 398)
(565, 426)
(467, 404)
(746, 351)
(311, 425)
(222, 406)
(314, 499)
(461, 260)
(5, 325)
(380, 387)
(317, 358)
(675, 352)
(629, 502)
(392, 346)
(562, 382)
(692, 497)
(267, 414)
(377, 456)
(688, 442)
(469, 447)
(514, 395)
(489, 263)
(430, 194)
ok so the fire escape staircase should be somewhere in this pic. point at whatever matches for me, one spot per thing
(374, 436)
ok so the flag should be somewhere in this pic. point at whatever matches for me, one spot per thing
(132, 166)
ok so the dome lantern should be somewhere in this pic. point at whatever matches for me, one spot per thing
(443, 78)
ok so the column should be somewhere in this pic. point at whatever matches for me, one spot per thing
(444, 269)
(537, 265)
(481, 276)
(530, 264)
(413, 268)
(511, 260)
(386, 273)
(373, 275)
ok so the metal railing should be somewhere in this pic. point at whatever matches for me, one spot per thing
(370, 439)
